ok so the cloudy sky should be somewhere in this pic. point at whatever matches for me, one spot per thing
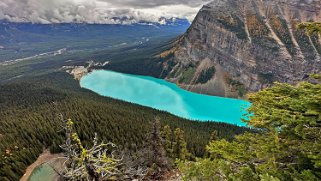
(97, 11)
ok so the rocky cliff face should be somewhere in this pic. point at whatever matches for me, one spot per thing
(234, 46)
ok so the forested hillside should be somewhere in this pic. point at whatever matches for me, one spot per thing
(30, 109)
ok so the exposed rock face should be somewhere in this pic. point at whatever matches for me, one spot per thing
(248, 43)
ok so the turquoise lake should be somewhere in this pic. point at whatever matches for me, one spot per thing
(42, 173)
(162, 95)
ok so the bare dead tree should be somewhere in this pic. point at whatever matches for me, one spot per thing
(100, 162)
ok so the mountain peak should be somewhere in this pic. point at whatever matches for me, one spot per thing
(250, 44)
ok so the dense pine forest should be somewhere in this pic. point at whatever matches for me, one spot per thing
(30, 121)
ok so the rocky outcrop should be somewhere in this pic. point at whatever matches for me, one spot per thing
(79, 71)
(247, 45)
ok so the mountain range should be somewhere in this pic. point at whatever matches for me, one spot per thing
(231, 48)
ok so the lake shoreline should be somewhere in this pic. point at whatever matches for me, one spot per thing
(166, 96)
(46, 156)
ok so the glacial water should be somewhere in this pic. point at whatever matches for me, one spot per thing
(42, 173)
(162, 95)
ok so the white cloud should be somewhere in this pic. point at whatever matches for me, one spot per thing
(97, 11)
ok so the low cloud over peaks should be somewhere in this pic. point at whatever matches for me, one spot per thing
(97, 11)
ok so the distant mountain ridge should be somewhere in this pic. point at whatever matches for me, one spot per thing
(8, 29)
(20, 40)
(234, 46)
(162, 21)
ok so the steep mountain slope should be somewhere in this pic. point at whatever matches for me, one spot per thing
(234, 46)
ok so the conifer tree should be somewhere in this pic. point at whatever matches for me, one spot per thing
(167, 136)
(157, 155)
(286, 145)
(179, 145)
(214, 136)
